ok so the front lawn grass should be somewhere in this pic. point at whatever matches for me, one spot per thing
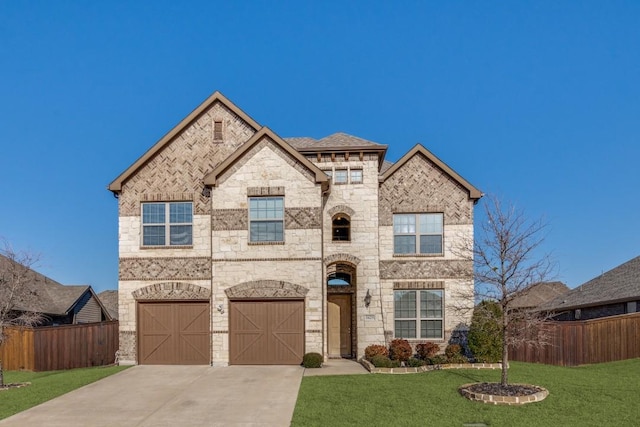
(46, 385)
(596, 395)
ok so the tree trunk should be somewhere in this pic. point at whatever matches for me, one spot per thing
(505, 350)
(1, 374)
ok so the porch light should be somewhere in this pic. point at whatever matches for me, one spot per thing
(367, 299)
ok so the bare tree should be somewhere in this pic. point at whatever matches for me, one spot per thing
(507, 263)
(16, 278)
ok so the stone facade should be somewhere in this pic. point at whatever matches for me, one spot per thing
(223, 265)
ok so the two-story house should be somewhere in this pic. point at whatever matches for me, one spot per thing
(237, 246)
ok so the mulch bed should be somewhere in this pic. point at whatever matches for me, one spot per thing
(497, 389)
(13, 385)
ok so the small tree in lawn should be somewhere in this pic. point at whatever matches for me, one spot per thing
(15, 292)
(506, 265)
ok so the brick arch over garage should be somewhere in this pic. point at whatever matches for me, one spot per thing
(266, 289)
(341, 258)
(172, 291)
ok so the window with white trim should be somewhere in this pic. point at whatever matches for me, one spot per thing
(418, 233)
(167, 224)
(266, 219)
(418, 314)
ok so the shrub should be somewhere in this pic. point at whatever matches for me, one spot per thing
(312, 360)
(380, 361)
(427, 350)
(438, 359)
(457, 358)
(485, 332)
(375, 350)
(414, 363)
(400, 350)
(452, 351)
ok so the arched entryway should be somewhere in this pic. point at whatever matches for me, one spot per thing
(341, 310)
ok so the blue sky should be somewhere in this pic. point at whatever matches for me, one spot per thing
(538, 102)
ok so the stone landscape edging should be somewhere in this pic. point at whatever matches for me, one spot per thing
(504, 400)
(427, 368)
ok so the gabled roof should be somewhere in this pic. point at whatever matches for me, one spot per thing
(116, 185)
(335, 142)
(109, 300)
(619, 284)
(47, 295)
(212, 177)
(538, 294)
(474, 193)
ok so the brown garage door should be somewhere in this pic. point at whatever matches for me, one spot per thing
(266, 332)
(174, 333)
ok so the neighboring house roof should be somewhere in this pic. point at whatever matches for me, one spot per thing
(418, 149)
(212, 177)
(539, 294)
(110, 301)
(48, 296)
(116, 185)
(619, 284)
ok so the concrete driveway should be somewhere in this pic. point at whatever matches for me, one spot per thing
(175, 396)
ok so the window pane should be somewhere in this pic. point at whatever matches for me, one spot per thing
(180, 235)
(404, 304)
(404, 244)
(431, 244)
(405, 329)
(431, 329)
(431, 223)
(180, 213)
(431, 304)
(404, 224)
(266, 231)
(153, 235)
(356, 176)
(340, 176)
(266, 208)
(153, 213)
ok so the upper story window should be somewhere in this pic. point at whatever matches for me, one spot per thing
(167, 224)
(417, 233)
(356, 176)
(341, 228)
(266, 219)
(418, 314)
(340, 176)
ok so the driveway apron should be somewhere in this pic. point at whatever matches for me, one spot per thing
(175, 396)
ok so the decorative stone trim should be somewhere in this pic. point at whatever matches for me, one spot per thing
(314, 331)
(171, 291)
(265, 191)
(219, 332)
(432, 269)
(427, 368)
(341, 257)
(341, 209)
(193, 268)
(504, 400)
(264, 243)
(263, 259)
(266, 289)
(302, 218)
(431, 284)
(229, 219)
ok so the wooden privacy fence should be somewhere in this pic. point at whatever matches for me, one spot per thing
(51, 348)
(584, 342)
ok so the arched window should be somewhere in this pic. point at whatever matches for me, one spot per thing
(339, 279)
(341, 228)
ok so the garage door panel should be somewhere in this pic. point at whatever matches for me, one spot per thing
(174, 333)
(266, 332)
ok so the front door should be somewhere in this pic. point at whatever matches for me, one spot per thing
(339, 325)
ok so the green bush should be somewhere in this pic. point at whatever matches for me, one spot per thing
(485, 332)
(414, 363)
(312, 360)
(457, 358)
(452, 351)
(427, 350)
(375, 350)
(400, 350)
(380, 361)
(438, 359)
